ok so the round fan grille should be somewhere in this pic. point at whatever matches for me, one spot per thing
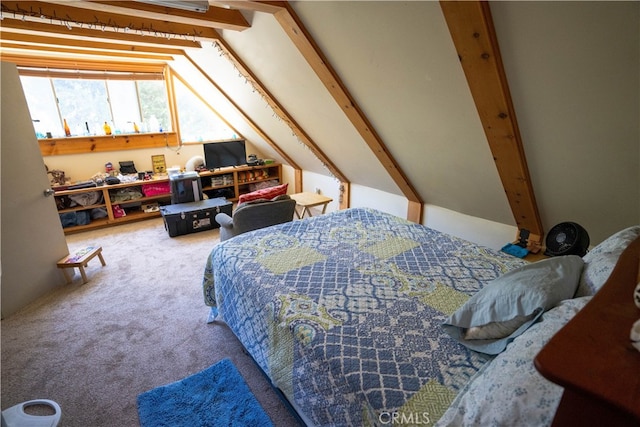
(567, 238)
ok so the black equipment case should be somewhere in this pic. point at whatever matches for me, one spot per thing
(186, 187)
(185, 218)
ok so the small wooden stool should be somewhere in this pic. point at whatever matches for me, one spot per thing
(80, 260)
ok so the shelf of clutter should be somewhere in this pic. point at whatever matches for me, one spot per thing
(87, 205)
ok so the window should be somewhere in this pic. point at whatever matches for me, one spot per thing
(197, 121)
(88, 100)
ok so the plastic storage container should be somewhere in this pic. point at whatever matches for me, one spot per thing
(185, 218)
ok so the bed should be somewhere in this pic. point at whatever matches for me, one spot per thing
(362, 318)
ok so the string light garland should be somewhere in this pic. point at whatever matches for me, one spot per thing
(267, 100)
(111, 25)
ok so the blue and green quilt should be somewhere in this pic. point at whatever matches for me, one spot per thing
(343, 312)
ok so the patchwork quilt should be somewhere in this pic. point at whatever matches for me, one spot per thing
(343, 312)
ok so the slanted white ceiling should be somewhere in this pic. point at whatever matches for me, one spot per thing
(413, 92)
(573, 70)
(574, 74)
(276, 61)
(399, 62)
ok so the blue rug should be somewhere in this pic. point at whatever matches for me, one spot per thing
(217, 396)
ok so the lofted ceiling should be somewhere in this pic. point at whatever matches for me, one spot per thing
(137, 31)
(141, 31)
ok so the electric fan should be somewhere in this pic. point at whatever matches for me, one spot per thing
(567, 238)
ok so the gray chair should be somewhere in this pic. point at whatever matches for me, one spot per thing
(256, 214)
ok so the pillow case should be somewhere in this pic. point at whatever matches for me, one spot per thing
(265, 193)
(509, 391)
(599, 262)
(517, 298)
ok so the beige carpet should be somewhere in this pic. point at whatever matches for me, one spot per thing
(140, 322)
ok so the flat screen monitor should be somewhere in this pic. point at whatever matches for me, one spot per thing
(224, 153)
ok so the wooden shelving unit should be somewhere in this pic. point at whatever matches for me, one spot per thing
(236, 180)
(239, 179)
(107, 203)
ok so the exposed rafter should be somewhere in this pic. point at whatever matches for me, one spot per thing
(87, 64)
(471, 27)
(9, 47)
(30, 27)
(68, 16)
(304, 42)
(248, 119)
(50, 42)
(281, 112)
(216, 17)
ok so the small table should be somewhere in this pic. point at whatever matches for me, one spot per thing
(80, 259)
(309, 200)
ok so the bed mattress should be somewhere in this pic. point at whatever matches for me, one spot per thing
(343, 312)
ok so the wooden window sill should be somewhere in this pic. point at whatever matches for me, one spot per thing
(102, 143)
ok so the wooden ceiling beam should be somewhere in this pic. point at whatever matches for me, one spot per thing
(85, 64)
(30, 27)
(271, 7)
(43, 50)
(215, 17)
(473, 33)
(78, 17)
(50, 42)
(301, 38)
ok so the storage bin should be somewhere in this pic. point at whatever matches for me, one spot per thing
(185, 218)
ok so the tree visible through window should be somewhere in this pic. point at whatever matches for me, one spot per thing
(87, 103)
(127, 101)
(84, 104)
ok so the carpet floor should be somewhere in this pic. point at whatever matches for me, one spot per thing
(139, 323)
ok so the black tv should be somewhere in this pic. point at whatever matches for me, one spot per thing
(224, 153)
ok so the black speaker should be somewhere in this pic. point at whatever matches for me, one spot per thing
(567, 238)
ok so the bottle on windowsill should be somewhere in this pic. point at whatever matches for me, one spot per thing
(67, 130)
(107, 128)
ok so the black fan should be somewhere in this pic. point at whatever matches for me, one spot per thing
(567, 238)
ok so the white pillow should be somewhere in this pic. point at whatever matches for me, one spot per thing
(599, 262)
(518, 298)
(509, 391)
(496, 329)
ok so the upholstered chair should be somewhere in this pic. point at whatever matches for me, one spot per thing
(256, 214)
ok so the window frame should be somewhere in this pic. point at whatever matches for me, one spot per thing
(103, 143)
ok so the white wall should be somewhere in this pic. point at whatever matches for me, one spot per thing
(487, 233)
